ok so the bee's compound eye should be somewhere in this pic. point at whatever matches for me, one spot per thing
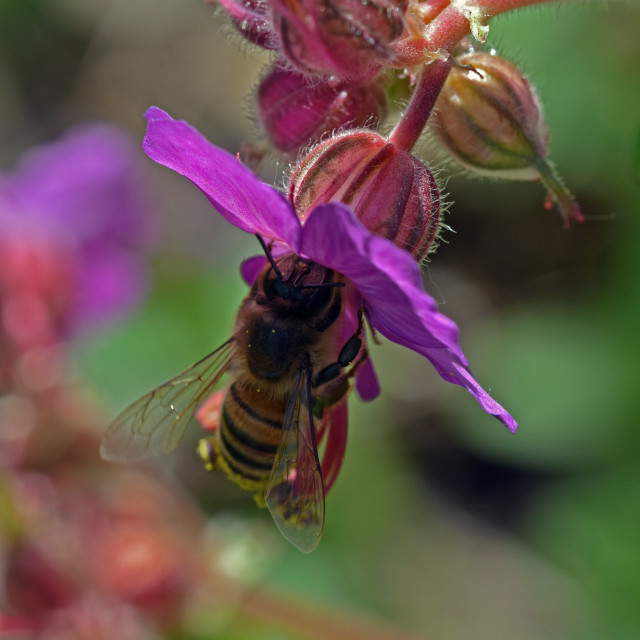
(208, 452)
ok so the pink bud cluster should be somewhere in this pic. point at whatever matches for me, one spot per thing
(295, 110)
(347, 38)
(329, 58)
(335, 63)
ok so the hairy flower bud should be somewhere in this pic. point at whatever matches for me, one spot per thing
(295, 111)
(391, 192)
(250, 18)
(349, 38)
(489, 118)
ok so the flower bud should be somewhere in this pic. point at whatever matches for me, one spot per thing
(391, 192)
(349, 38)
(251, 19)
(489, 119)
(295, 112)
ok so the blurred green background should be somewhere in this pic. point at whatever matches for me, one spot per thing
(441, 522)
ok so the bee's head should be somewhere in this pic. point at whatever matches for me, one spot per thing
(304, 286)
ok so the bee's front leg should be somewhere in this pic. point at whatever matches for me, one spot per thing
(347, 355)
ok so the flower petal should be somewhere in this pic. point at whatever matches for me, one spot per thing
(367, 384)
(85, 197)
(238, 195)
(88, 186)
(452, 370)
(385, 275)
(251, 267)
(389, 280)
(112, 280)
(336, 422)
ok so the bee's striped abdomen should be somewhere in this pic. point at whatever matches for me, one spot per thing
(250, 429)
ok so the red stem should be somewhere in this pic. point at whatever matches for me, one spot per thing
(408, 130)
(445, 26)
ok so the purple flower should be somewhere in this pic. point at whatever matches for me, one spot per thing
(385, 278)
(84, 196)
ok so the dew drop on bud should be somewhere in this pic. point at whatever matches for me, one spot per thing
(251, 19)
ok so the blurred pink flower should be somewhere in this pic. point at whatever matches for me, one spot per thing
(74, 216)
(88, 547)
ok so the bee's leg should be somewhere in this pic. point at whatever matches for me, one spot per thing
(208, 451)
(349, 352)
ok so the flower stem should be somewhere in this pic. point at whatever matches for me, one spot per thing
(446, 22)
(558, 193)
(408, 130)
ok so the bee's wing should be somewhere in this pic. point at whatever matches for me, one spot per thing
(295, 491)
(156, 422)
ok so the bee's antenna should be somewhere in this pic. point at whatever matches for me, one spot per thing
(279, 275)
(267, 251)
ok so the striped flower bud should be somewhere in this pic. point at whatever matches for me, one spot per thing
(349, 38)
(391, 192)
(489, 119)
(295, 112)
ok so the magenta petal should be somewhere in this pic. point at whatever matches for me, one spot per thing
(87, 186)
(251, 268)
(111, 281)
(367, 384)
(82, 197)
(238, 195)
(389, 280)
(385, 275)
(366, 379)
(452, 370)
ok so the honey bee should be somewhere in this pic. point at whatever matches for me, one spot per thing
(283, 375)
